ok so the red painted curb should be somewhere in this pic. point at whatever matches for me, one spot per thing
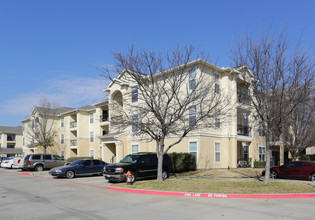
(211, 195)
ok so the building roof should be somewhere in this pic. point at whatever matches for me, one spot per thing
(86, 108)
(56, 111)
(11, 130)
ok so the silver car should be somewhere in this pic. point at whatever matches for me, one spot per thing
(39, 162)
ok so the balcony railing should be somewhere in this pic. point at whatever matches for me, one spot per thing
(243, 130)
(73, 142)
(11, 138)
(73, 124)
(104, 118)
(243, 162)
(243, 98)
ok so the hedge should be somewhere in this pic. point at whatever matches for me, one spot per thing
(183, 162)
(309, 157)
(72, 159)
(259, 164)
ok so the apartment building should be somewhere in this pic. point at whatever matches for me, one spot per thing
(11, 139)
(237, 144)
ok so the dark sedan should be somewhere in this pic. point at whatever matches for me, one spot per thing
(79, 168)
(294, 170)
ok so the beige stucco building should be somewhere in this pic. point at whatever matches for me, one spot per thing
(87, 131)
(11, 139)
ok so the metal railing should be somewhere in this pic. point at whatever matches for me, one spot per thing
(243, 130)
(104, 118)
(73, 124)
(243, 162)
(243, 98)
(73, 142)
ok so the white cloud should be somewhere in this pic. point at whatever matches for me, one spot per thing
(66, 91)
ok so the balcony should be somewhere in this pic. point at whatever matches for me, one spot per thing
(104, 118)
(244, 162)
(243, 98)
(243, 130)
(11, 138)
(73, 124)
(74, 144)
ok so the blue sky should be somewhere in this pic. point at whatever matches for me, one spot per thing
(54, 48)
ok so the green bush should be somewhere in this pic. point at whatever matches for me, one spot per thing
(309, 157)
(259, 164)
(183, 162)
(72, 159)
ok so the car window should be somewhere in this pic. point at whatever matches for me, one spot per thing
(56, 157)
(96, 162)
(87, 163)
(76, 163)
(46, 157)
(305, 165)
(145, 160)
(27, 157)
(36, 157)
(130, 159)
(293, 164)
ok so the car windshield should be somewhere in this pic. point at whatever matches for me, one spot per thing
(76, 163)
(130, 159)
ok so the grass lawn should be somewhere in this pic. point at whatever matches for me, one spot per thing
(228, 186)
(221, 186)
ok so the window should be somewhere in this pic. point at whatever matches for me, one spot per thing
(23, 141)
(261, 129)
(217, 152)
(192, 115)
(87, 163)
(11, 137)
(97, 162)
(193, 149)
(262, 153)
(62, 139)
(217, 113)
(36, 157)
(216, 83)
(192, 79)
(135, 122)
(134, 93)
(91, 118)
(33, 123)
(10, 146)
(56, 157)
(92, 153)
(104, 115)
(62, 123)
(91, 136)
(46, 157)
(134, 148)
(245, 152)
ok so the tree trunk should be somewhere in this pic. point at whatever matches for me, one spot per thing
(160, 161)
(267, 167)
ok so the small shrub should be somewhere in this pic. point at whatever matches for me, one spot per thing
(309, 157)
(259, 164)
(72, 159)
(183, 162)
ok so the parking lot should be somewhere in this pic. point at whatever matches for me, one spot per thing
(39, 196)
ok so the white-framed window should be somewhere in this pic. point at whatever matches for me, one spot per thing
(217, 123)
(260, 129)
(217, 152)
(245, 152)
(62, 122)
(91, 136)
(216, 83)
(23, 141)
(62, 139)
(33, 123)
(134, 94)
(134, 148)
(62, 154)
(92, 153)
(135, 122)
(91, 118)
(262, 153)
(192, 79)
(192, 115)
(193, 148)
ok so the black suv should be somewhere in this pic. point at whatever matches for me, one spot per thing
(141, 165)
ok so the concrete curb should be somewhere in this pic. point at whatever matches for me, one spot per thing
(211, 195)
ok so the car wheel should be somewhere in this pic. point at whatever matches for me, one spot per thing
(312, 177)
(11, 166)
(70, 174)
(39, 168)
(164, 175)
(273, 174)
(133, 177)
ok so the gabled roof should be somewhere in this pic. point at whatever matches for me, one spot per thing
(11, 130)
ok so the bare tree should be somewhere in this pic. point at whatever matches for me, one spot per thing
(41, 129)
(282, 77)
(175, 97)
(299, 129)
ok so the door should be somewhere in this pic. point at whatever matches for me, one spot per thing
(47, 160)
(275, 158)
(85, 168)
(146, 168)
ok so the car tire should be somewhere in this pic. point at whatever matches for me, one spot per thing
(133, 177)
(312, 177)
(165, 175)
(39, 168)
(70, 174)
(273, 174)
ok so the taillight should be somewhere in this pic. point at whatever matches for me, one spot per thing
(29, 162)
(19, 161)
